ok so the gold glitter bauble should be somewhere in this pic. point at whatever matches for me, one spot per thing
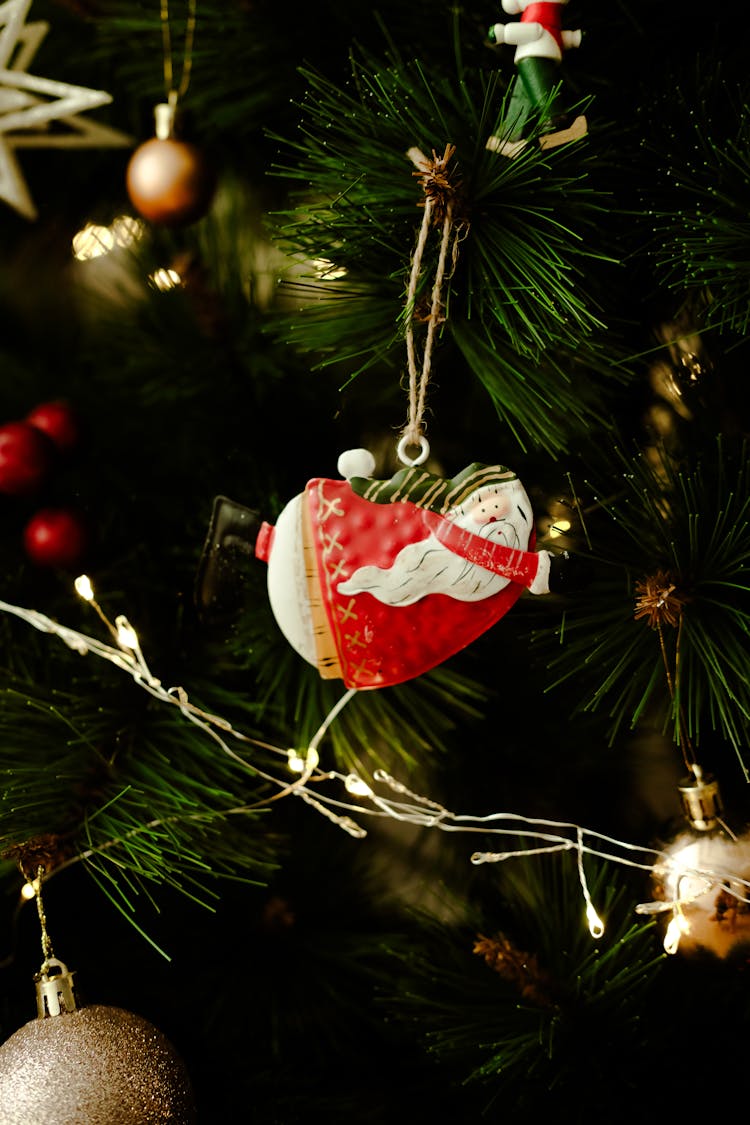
(94, 1066)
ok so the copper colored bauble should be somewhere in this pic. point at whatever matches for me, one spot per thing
(56, 537)
(170, 181)
(91, 1065)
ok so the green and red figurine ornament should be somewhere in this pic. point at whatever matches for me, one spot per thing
(536, 104)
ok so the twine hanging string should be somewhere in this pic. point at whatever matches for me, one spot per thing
(174, 93)
(440, 184)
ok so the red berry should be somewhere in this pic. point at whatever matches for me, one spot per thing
(56, 537)
(58, 421)
(26, 456)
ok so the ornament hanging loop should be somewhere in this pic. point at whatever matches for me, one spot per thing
(172, 91)
(407, 442)
(439, 183)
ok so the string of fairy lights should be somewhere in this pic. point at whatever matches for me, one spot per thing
(355, 799)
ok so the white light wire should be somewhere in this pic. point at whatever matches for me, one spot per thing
(547, 836)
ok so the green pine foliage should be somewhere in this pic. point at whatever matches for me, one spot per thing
(528, 1008)
(145, 804)
(522, 313)
(688, 523)
(701, 152)
(312, 973)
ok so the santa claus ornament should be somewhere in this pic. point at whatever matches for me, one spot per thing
(376, 581)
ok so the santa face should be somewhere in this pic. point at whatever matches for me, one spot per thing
(500, 513)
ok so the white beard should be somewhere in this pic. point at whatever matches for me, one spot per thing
(428, 567)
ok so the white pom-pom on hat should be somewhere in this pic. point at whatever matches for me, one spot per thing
(356, 463)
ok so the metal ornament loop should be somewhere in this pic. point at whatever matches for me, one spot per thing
(405, 443)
